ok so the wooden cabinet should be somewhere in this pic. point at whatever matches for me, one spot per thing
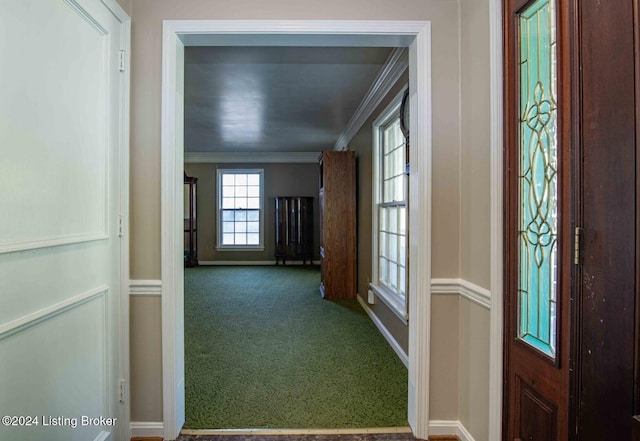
(294, 228)
(338, 225)
(190, 222)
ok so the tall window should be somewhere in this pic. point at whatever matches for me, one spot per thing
(240, 215)
(390, 211)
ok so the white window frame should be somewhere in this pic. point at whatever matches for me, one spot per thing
(393, 300)
(253, 247)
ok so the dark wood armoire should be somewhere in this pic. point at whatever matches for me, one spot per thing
(338, 225)
(294, 228)
(190, 222)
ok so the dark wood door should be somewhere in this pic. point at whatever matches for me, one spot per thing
(574, 374)
(538, 220)
(605, 279)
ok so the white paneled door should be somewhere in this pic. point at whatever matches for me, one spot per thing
(62, 126)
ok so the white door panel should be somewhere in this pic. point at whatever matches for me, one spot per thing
(60, 91)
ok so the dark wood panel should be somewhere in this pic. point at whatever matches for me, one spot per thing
(607, 281)
(338, 225)
(538, 418)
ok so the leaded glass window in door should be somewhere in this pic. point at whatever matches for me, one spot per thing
(537, 179)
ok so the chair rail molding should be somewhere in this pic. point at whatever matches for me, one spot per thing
(464, 288)
(145, 287)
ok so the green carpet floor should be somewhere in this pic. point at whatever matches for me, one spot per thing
(264, 350)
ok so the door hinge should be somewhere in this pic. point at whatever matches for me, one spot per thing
(121, 61)
(122, 390)
(120, 226)
(577, 246)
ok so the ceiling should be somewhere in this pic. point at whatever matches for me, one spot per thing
(274, 99)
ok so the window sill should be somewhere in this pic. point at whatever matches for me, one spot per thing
(239, 248)
(393, 301)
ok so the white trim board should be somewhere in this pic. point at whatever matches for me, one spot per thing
(385, 332)
(145, 288)
(464, 288)
(145, 429)
(416, 35)
(495, 244)
(29, 320)
(450, 427)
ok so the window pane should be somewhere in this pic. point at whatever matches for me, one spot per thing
(240, 203)
(399, 161)
(402, 223)
(402, 281)
(386, 191)
(253, 215)
(387, 141)
(227, 227)
(227, 215)
(253, 191)
(538, 214)
(241, 238)
(382, 247)
(402, 247)
(228, 179)
(399, 188)
(228, 203)
(241, 227)
(393, 247)
(241, 179)
(241, 215)
(383, 218)
(393, 220)
(253, 203)
(393, 275)
(241, 191)
(382, 269)
(253, 179)
(228, 191)
(253, 239)
(386, 166)
(253, 227)
(227, 239)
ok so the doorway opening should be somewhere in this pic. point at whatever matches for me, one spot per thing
(178, 34)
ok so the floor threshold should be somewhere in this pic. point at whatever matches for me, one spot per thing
(351, 431)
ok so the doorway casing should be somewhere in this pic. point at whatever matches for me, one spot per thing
(416, 35)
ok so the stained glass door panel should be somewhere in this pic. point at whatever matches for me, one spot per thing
(537, 179)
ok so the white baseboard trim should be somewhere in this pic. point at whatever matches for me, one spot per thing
(147, 429)
(251, 262)
(385, 333)
(151, 288)
(464, 288)
(450, 427)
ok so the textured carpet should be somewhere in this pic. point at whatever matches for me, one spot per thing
(264, 350)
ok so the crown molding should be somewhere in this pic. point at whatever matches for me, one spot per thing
(394, 67)
(251, 157)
